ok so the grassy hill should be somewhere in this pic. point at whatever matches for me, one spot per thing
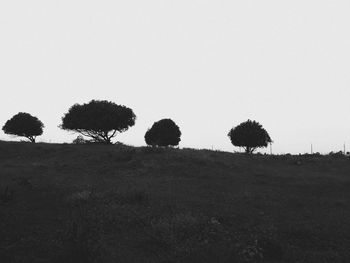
(100, 203)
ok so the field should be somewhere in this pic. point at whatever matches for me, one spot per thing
(114, 203)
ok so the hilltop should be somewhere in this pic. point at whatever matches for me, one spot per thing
(115, 203)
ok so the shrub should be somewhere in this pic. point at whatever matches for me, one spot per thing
(24, 125)
(99, 120)
(79, 140)
(163, 133)
(250, 135)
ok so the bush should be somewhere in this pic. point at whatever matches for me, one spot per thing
(79, 140)
(99, 120)
(336, 154)
(163, 133)
(250, 135)
(24, 125)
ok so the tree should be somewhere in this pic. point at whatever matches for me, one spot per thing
(250, 135)
(98, 119)
(163, 133)
(25, 125)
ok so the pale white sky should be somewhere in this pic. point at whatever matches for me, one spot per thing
(207, 64)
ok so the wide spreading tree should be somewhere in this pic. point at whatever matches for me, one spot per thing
(163, 133)
(99, 120)
(24, 125)
(250, 135)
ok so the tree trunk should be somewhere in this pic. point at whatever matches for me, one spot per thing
(31, 138)
(249, 150)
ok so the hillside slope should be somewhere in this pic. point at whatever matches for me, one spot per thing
(100, 203)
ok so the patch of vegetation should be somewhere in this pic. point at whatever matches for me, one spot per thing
(99, 120)
(117, 203)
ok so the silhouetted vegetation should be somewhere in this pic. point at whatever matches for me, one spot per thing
(79, 140)
(24, 125)
(250, 135)
(163, 133)
(99, 120)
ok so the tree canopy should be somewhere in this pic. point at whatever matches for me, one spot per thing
(163, 133)
(24, 125)
(250, 135)
(100, 120)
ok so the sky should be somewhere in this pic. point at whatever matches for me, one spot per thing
(207, 64)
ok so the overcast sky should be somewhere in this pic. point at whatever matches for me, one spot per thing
(207, 64)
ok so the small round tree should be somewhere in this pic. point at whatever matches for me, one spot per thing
(25, 125)
(163, 133)
(98, 119)
(250, 135)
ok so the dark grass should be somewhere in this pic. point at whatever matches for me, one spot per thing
(100, 203)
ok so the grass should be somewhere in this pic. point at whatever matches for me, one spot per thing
(101, 203)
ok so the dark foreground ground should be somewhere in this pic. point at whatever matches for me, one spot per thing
(95, 203)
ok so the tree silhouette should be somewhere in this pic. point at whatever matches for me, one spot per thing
(24, 125)
(250, 135)
(163, 133)
(98, 119)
